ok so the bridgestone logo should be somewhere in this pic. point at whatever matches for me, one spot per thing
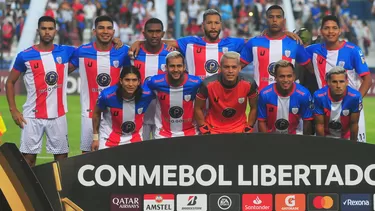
(356, 202)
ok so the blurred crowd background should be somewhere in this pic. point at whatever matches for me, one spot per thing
(241, 18)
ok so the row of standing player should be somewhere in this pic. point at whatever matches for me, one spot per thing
(101, 65)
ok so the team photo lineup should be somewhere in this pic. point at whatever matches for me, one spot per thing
(162, 88)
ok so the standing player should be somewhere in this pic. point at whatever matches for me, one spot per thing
(151, 61)
(99, 65)
(175, 93)
(45, 68)
(123, 107)
(281, 105)
(227, 93)
(265, 51)
(337, 107)
(334, 52)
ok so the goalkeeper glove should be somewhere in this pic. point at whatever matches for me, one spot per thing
(248, 129)
(205, 129)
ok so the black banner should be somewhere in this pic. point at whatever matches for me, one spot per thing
(238, 164)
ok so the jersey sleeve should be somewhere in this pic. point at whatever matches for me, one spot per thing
(239, 43)
(306, 106)
(147, 95)
(357, 104)
(247, 52)
(101, 101)
(310, 51)
(359, 62)
(19, 63)
(74, 60)
(196, 88)
(202, 92)
(70, 51)
(302, 56)
(127, 61)
(262, 108)
(183, 42)
(318, 105)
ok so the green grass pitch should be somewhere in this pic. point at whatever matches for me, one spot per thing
(74, 124)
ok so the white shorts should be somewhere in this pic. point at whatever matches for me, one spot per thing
(362, 127)
(56, 131)
(86, 133)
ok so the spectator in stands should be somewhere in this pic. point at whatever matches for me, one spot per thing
(8, 32)
(80, 17)
(193, 28)
(54, 6)
(366, 37)
(226, 13)
(90, 11)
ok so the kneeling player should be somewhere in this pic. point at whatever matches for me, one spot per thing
(337, 107)
(123, 107)
(227, 93)
(281, 105)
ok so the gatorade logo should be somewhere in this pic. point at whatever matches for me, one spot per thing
(323, 201)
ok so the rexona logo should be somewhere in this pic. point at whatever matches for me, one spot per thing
(356, 202)
(323, 201)
(257, 202)
(158, 202)
(121, 202)
(195, 202)
(286, 202)
(224, 202)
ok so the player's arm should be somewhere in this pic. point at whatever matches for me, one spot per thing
(16, 115)
(74, 61)
(96, 115)
(71, 68)
(253, 102)
(319, 125)
(354, 119)
(246, 54)
(366, 84)
(199, 106)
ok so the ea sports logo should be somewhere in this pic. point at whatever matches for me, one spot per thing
(271, 69)
(334, 125)
(211, 66)
(282, 124)
(103, 79)
(323, 202)
(128, 127)
(51, 78)
(224, 202)
(176, 112)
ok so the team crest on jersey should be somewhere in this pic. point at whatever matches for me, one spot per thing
(241, 100)
(341, 63)
(103, 79)
(345, 112)
(51, 78)
(116, 63)
(162, 67)
(225, 49)
(294, 110)
(59, 59)
(287, 53)
(187, 97)
(363, 59)
(271, 69)
(211, 66)
(128, 127)
(139, 110)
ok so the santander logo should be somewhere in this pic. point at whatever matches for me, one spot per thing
(257, 201)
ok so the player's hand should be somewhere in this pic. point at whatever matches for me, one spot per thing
(170, 48)
(205, 129)
(134, 49)
(95, 145)
(248, 129)
(18, 118)
(294, 36)
(117, 42)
